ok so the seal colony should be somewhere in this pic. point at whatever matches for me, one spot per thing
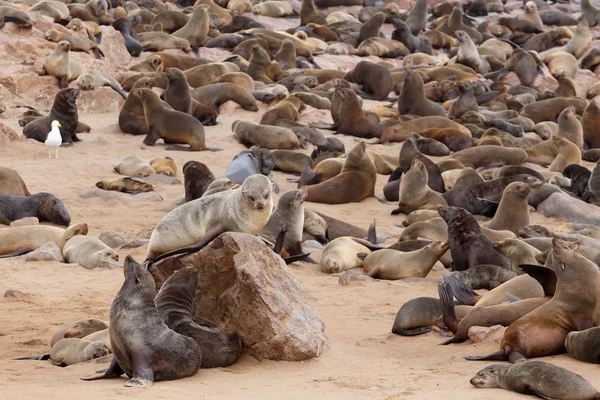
(480, 119)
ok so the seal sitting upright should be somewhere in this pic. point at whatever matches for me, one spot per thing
(144, 347)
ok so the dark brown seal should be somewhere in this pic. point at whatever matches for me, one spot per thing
(178, 95)
(144, 347)
(175, 302)
(375, 80)
(215, 94)
(583, 345)
(412, 98)
(131, 116)
(11, 183)
(468, 245)
(43, 206)
(197, 177)
(416, 316)
(64, 110)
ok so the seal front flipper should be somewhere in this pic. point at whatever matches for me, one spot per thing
(538, 394)
(448, 311)
(372, 233)
(117, 89)
(511, 298)
(63, 82)
(544, 275)
(143, 376)
(368, 244)
(279, 242)
(114, 371)
(414, 331)
(297, 257)
(462, 292)
(38, 358)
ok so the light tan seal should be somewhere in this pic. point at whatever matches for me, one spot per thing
(74, 351)
(246, 209)
(78, 329)
(266, 136)
(481, 156)
(59, 64)
(414, 192)
(568, 153)
(126, 185)
(89, 252)
(341, 254)
(134, 166)
(11, 183)
(393, 264)
(164, 166)
(23, 239)
(513, 211)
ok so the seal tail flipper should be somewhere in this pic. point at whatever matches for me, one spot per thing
(538, 394)
(372, 233)
(296, 257)
(196, 52)
(362, 256)
(447, 304)
(97, 53)
(118, 90)
(412, 332)
(382, 201)
(113, 371)
(40, 357)
(331, 127)
(17, 253)
(307, 177)
(511, 298)
(497, 356)
(461, 292)
(544, 275)
(213, 149)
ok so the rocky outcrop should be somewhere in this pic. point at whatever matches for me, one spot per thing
(243, 286)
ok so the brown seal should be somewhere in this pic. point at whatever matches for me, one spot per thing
(258, 64)
(568, 153)
(416, 316)
(64, 110)
(11, 183)
(152, 63)
(589, 121)
(175, 303)
(196, 29)
(131, 116)
(183, 62)
(479, 156)
(267, 136)
(454, 139)
(513, 211)
(468, 245)
(414, 192)
(159, 41)
(322, 171)
(287, 109)
(582, 345)
(60, 65)
(197, 177)
(78, 329)
(287, 217)
(567, 311)
(126, 185)
(78, 43)
(550, 109)
(291, 161)
(309, 14)
(215, 94)
(170, 125)
(162, 354)
(399, 132)
(43, 206)
(355, 182)
(375, 79)
(412, 98)
(165, 166)
(537, 378)
(179, 97)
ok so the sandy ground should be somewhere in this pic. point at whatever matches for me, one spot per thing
(362, 361)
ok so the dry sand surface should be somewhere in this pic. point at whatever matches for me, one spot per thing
(362, 361)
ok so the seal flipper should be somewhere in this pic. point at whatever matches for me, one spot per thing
(143, 376)
(17, 253)
(322, 239)
(497, 356)
(448, 311)
(38, 358)
(511, 298)
(332, 127)
(279, 242)
(461, 292)
(117, 89)
(372, 233)
(63, 82)
(544, 275)
(538, 394)
(113, 371)
(368, 244)
(297, 257)
(413, 332)
(362, 256)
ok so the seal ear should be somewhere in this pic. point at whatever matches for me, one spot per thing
(573, 246)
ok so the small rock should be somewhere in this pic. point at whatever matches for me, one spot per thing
(493, 334)
(99, 100)
(312, 244)
(113, 47)
(103, 194)
(112, 239)
(8, 134)
(109, 263)
(25, 222)
(351, 275)
(144, 233)
(15, 293)
(148, 196)
(135, 243)
(160, 178)
(48, 252)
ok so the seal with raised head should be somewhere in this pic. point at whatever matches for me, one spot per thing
(197, 177)
(513, 211)
(246, 209)
(412, 98)
(43, 206)
(175, 302)
(131, 116)
(288, 217)
(375, 80)
(414, 192)
(145, 349)
(59, 64)
(64, 110)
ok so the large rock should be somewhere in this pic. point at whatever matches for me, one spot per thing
(48, 252)
(7, 134)
(113, 47)
(245, 287)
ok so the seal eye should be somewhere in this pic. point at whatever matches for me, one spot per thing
(266, 196)
(250, 198)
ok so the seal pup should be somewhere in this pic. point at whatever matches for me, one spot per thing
(416, 316)
(164, 166)
(89, 252)
(537, 378)
(513, 211)
(134, 166)
(126, 185)
(341, 254)
(78, 329)
(175, 302)
(74, 351)
(197, 177)
(23, 239)
(43, 206)
(246, 209)
(572, 308)
(147, 350)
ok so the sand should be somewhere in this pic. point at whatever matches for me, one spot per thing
(363, 359)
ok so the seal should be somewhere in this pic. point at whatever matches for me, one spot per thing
(78, 43)
(11, 183)
(287, 217)
(323, 171)
(513, 211)
(375, 80)
(74, 351)
(287, 109)
(399, 132)
(125, 25)
(315, 228)
(159, 41)
(518, 252)
(266, 136)
(432, 229)
(131, 117)
(468, 245)
(567, 311)
(580, 345)
(392, 264)
(175, 302)
(416, 316)
(481, 156)
(64, 110)
(550, 109)
(536, 378)
(94, 78)
(43, 206)
(59, 64)
(341, 254)
(195, 30)
(126, 185)
(78, 329)
(148, 350)
(215, 94)
(246, 209)
(354, 183)
(164, 166)
(412, 98)
(197, 177)
(414, 192)
(134, 166)
(484, 276)
(23, 239)
(170, 125)
(89, 252)
(291, 161)
(152, 63)
(568, 154)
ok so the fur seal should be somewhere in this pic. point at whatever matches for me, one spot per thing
(78, 43)
(355, 182)
(197, 177)
(375, 80)
(23, 239)
(454, 139)
(567, 311)
(415, 193)
(341, 254)
(246, 209)
(416, 316)
(287, 109)
(131, 117)
(164, 166)
(513, 211)
(175, 302)
(412, 98)
(64, 110)
(291, 161)
(94, 78)
(196, 29)
(74, 351)
(162, 354)
(159, 41)
(582, 345)
(134, 166)
(89, 252)
(267, 136)
(536, 378)
(43, 206)
(11, 183)
(170, 125)
(399, 132)
(288, 217)
(215, 94)
(484, 276)
(479, 156)
(550, 109)
(78, 329)
(468, 245)
(568, 154)
(126, 185)
(59, 64)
